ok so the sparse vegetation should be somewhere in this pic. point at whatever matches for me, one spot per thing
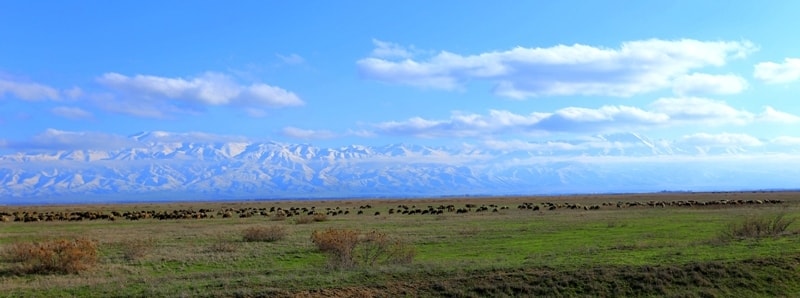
(56, 256)
(339, 244)
(756, 227)
(307, 219)
(637, 245)
(135, 249)
(351, 248)
(303, 219)
(264, 233)
(318, 217)
(378, 248)
(220, 244)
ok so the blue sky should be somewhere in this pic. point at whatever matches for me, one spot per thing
(499, 74)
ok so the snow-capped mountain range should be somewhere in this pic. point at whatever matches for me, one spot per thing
(161, 167)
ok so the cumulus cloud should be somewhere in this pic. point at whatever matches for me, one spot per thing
(71, 113)
(635, 67)
(307, 134)
(27, 90)
(701, 111)
(701, 83)
(606, 118)
(663, 112)
(770, 114)
(776, 73)
(152, 93)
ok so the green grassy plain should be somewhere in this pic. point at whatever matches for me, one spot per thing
(626, 251)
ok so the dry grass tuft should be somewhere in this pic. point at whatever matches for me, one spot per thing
(135, 249)
(264, 233)
(57, 256)
(278, 217)
(222, 244)
(307, 219)
(303, 219)
(318, 217)
(758, 227)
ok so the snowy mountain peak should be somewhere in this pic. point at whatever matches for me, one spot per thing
(167, 166)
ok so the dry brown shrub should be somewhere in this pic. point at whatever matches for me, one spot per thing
(278, 217)
(378, 248)
(320, 217)
(307, 219)
(56, 256)
(264, 233)
(339, 244)
(303, 219)
(350, 248)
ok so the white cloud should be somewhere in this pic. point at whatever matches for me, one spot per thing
(663, 112)
(128, 106)
(150, 93)
(71, 112)
(513, 145)
(462, 124)
(57, 140)
(362, 133)
(786, 141)
(701, 83)
(28, 90)
(291, 58)
(307, 134)
(606, 118)
(701, 111)
(74, 92)
(636, 67)
(776, 73)
(772, 115)
(720, 140)
(153, 137)
(385, 49)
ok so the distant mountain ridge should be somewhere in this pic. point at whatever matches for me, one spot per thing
(162, 167)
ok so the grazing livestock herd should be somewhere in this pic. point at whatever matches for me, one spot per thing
(275, 212)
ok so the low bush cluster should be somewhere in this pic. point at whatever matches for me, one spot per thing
(351, 248)
(307, 219)
(56, 256)
(758, 227)
(264, 233)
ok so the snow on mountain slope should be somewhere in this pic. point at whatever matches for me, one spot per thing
(171, 169)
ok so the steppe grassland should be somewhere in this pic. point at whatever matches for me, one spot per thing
(209, 256)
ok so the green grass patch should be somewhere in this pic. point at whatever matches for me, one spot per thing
(608, 252)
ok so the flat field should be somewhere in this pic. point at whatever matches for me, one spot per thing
(680, 244)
